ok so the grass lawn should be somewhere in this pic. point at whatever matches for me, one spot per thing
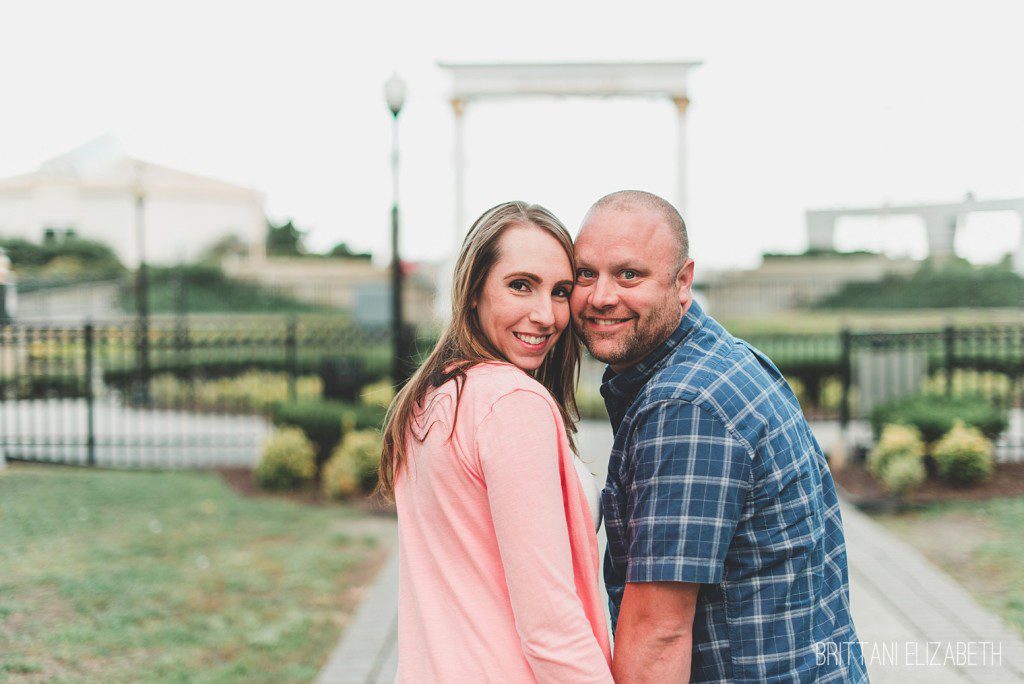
(978, 543)
(142, 576)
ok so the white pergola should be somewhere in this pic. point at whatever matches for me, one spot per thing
(503, 81)
(940, 221)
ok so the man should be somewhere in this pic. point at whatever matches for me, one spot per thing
(726, 560)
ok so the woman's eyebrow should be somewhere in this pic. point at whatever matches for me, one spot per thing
(524, 274)
(565, 283)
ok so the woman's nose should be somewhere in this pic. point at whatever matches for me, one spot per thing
(543, 313)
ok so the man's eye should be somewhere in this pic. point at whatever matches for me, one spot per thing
(584, 273)
(628, 274)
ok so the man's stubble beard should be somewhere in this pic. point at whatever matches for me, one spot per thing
(645, 337)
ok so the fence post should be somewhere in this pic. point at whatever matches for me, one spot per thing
(948, 341)
(90, 399)
(292, 354)
(846, 370)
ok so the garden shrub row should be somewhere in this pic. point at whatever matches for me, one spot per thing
(963, 457)
(327, 422)
(934, 415)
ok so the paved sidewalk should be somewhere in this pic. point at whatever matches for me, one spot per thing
(916, 623)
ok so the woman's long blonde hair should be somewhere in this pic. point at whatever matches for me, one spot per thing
(464, 344)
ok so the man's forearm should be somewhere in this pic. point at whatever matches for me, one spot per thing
(654, 633)
(646, 654)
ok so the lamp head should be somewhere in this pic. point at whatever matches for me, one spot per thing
(394, 93)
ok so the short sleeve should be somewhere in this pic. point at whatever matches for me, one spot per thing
(690, 480)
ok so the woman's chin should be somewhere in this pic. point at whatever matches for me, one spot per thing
(528, 363)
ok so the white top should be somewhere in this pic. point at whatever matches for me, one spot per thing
(590, 488)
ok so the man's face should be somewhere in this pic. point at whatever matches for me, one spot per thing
(628, 296)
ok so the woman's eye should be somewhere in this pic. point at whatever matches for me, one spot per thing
(628, 274)
(519, 285)
(560, 292)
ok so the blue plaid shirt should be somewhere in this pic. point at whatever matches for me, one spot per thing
(716, 479)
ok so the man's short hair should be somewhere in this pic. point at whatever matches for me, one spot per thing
(624, 200)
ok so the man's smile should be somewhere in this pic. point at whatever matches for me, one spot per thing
(606, 323)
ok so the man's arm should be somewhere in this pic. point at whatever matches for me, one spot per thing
(654, 634)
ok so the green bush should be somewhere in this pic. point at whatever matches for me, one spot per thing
(353, 466)
(252, 391)
(902, 473)
(934, 415)
(378, 394)
(964, 456)
(366, 416)
(326, 422)
(322, 421)
(897, 441)
(287, 460)
(958, 285)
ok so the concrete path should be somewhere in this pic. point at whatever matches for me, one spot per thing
(915, 623)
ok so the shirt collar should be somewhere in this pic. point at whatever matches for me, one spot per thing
(619, 389)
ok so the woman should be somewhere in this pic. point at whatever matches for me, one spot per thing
(498, 554)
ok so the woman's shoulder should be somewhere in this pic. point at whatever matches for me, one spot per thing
(488, 382)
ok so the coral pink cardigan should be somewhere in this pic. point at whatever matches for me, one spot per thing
(497, 551)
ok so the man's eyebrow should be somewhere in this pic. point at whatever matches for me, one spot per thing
(615, 268)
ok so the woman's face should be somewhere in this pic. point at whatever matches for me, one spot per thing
(524, 305)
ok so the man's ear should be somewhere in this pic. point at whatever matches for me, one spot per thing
(684, 281)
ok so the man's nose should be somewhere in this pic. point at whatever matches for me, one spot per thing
(543, 313)
(603, 295)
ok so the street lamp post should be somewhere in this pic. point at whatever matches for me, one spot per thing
(141, 294)
(394, 93)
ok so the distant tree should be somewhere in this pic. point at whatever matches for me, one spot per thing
(285, 240)
(23, 253)
(342, 251)
(63, 256)
(229, 244)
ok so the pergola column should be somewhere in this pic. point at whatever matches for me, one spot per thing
(1018, 257)
(681, 176)
(940, 227)
(459, 108)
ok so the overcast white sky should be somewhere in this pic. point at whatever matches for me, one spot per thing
(798, 105)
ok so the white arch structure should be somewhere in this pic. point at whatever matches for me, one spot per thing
(940, 220)
(503, 81)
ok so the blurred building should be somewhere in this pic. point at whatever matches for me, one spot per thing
(92, 192)
(788, 282)
(354, 285)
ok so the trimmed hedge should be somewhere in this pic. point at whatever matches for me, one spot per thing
(934, 415)
(897, 460)
(352, 468)
(327, 422)
(287, 460)
(322, 421)
(964, 456)
(897, 441)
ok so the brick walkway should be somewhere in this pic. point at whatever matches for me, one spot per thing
(916, 624)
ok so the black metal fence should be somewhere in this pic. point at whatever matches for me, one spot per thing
(194, 392)
(843, 376)
(184, 393)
